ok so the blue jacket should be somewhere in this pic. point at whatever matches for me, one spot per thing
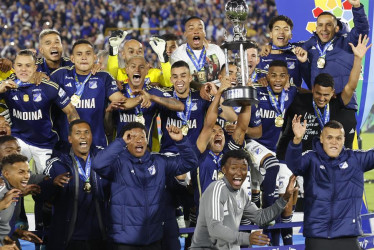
(68, 202)
(339, 60)
(333, 189)
(137, 188)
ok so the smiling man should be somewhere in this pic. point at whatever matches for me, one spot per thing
(137, 180)
(204, 60)
(191, 119)
(16, 174)
(280, 36)
(89, 93)
(334, 184)
(329, 50)
(224, 203)
(138, 88)
(318, 107)
(76, 193)
(30, 109)
(50, 47)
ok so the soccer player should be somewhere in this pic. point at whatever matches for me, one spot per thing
(16, 174)
(329, 51)
(334, 183)
(137, 69)
(137, 180)
(318, 107)
(280, 35)
(50, 47)
(30, 107)
(274, 101)
(89, 93)
(224, 203)
(130, 48)
(190, 120)
(204, 60)
(76, 193)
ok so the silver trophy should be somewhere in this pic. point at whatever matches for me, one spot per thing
(241, 95)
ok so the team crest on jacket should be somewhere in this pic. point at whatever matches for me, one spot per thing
(92, 84)
(37, 97)
(152, 170)
(291, 65)
(343, 165)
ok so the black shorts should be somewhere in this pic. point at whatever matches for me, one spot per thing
(344, 243)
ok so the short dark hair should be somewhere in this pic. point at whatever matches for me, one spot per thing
(45, 32)
(224, 67)
(237, 154)
(278, 63)
(131, 125)
(254, 45)
(324, 80)
(13, 158)
(191, 18)
(280, 18)
(180, 64)
(82, 41)
(26, 52)
(169, 37)
(76, 122)
(6, 138)
(333, 124)
(326, 13)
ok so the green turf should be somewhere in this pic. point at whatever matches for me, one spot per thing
(368, 143)
(29, 204)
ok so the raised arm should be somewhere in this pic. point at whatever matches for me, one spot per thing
(71, 112)
(359, 52)
(211, 116)
(168, 102)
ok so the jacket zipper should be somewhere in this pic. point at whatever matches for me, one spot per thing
(331, 204)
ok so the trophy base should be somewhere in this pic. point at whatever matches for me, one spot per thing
(240, 96)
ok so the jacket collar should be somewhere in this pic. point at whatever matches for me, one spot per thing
(318, 148)
(146, 157)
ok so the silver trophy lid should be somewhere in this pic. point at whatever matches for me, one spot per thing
(236, 10)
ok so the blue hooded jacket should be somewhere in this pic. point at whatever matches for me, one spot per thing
(333, 188)
(339, 57)
(137, 189)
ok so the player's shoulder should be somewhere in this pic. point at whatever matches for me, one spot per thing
(217, 188)
(166, 92)
(39, 61)
(49, 84)
(65, 59)
(63, 70)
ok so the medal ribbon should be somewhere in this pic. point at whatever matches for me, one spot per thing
(82, 175)
(199, 64)
(322, 119)
(184, 116)
(216, 158)
(22, 84)
(80, 86)
(254, 76)
(322, 53)
(284, 48)
(278, 106)
(138, 109)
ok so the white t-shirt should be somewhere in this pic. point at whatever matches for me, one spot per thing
(215, 59)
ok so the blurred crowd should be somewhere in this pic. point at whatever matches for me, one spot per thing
(21, 21)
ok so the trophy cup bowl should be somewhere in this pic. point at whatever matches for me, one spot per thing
(241, 95)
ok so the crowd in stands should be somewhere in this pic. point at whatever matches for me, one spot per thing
(22, 21)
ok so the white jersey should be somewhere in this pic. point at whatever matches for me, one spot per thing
(215, 59)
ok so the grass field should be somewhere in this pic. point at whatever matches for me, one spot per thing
(368, 143)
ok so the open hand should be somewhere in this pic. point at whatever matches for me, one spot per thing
(361, 48)
(298, 129)
(291, 188)
(258, 238)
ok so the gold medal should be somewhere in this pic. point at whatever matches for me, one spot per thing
(185, 130)
(321, 62)
(220, 175)
(279, 121)
(26, 98)
(140, 119)
(87, 187)
(74, 99)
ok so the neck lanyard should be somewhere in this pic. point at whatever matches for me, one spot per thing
(199, 64)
